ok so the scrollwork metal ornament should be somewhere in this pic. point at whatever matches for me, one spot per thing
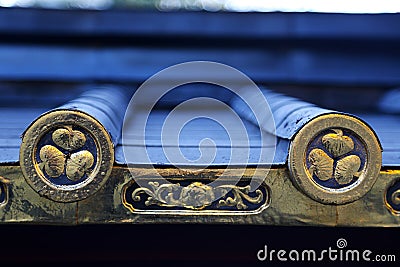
(335, 159)
(66, 155)
(197, 197)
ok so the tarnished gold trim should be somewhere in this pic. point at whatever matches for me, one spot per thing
(288, 206)
(195, 198)
(4, 182)
(394, 197)
(338, 145)
(75, 165)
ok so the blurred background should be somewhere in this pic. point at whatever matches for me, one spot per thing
(341, 55)
(341, 6)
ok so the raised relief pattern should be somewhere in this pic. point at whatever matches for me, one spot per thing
(196, 196)
(334, 160)
(73, 163)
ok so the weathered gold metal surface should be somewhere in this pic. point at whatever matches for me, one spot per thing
(335, 159)
(195, 198)
(392, 198)
(25, 206)
(66, 155)
(4, 190)
(287, 205)
(279, 211)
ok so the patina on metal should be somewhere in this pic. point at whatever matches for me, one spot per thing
(66, 155)
(196, 198)
(335, 159)
(3, 190)
(392, 197)
(68, 175)
(287, 206)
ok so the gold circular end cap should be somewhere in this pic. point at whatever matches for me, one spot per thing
(66, 155)
(335, 159)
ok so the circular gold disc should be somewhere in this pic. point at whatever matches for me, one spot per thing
(335, 159)
(66, 155)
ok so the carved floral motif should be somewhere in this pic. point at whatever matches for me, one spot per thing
(196, 195)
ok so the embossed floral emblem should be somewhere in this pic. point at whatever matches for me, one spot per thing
(335, 162)
(75, 164)
(197, 195)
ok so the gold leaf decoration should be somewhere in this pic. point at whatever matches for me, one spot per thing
(68, 138)
(78, 164)
(53, 161)
(321, 164)
(4, 180)
(239, 194)
(347, 168)
(337, 144)
(196, 196)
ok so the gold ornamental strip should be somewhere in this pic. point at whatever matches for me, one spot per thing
(379, 207)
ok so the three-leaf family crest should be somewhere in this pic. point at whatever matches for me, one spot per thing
(323, 163)
(75, 165)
